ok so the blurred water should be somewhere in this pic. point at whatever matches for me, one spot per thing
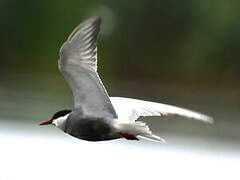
(194, 150)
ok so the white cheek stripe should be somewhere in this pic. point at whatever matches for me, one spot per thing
(60, 120)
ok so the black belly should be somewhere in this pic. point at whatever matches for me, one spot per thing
(91, 130)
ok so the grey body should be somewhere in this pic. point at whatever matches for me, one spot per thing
(90, 127)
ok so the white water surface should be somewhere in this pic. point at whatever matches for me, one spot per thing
(32, 152)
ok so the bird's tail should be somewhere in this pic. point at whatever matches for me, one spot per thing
(133, 130)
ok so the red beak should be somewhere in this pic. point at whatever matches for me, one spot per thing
(46, 122)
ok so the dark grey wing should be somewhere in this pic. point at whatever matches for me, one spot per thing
(78, 64)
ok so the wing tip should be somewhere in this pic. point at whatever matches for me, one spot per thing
(204, 118)
(96, 18)
(209, 119)
(93, 20)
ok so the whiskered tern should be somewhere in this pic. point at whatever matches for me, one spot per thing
(96, 116)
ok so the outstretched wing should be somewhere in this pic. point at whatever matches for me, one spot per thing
(78, 64)
(131, 109)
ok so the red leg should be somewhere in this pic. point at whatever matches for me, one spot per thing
(129, 136)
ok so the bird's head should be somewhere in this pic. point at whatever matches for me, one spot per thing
(58, 118)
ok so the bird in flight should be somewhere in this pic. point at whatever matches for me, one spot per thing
(96, 116)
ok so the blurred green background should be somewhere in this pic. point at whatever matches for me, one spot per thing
(177, 41)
